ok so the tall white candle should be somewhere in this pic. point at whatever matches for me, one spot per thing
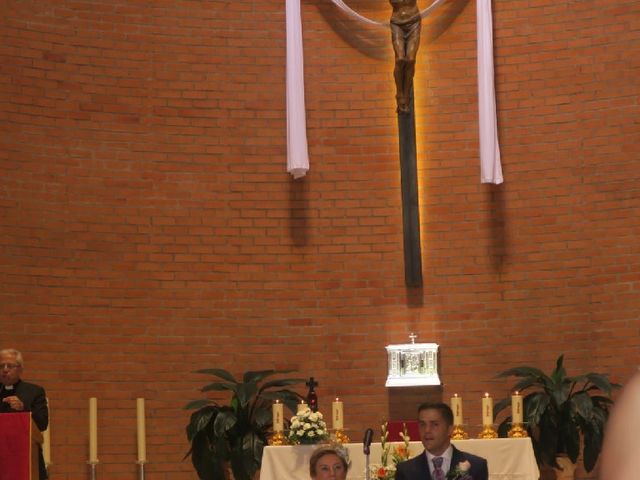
(456, 406)
(140, 417)
(93, 430)
(517, 415)
(487, 410)
(278, 416)
(337, 414)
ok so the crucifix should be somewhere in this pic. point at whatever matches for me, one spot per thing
(406, 30)
(312, 397)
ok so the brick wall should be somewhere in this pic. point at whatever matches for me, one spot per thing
(148, 228)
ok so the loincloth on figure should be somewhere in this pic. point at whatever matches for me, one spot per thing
(407, 28)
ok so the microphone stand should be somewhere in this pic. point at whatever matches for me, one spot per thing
(368, 435)
(368, 469)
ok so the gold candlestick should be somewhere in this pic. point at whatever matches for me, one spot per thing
(459, 433)
(341, 437)
(517, 431)
(488, 432)
(278, 439)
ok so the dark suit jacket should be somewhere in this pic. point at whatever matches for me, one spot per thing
(417, 468)
(35, 401)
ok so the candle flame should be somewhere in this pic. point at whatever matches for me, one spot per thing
(486, 395)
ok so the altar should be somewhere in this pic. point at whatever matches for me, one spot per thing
(508, 459)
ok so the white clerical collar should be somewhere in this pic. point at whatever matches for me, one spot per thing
(8, 387)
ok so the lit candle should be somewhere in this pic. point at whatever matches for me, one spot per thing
(516, 408)
(302, 406)
(46, 441)
(140, 417)
(93, 430)
(278, 416)
(487, 410)
(337, 417)
(456, 406)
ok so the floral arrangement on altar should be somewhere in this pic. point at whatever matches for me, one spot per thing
(399, 453)
(461, 472)
(307, 428)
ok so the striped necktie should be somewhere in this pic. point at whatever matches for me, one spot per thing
(438, 474)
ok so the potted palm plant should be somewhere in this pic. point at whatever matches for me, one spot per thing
(560, 411)
(234, 435)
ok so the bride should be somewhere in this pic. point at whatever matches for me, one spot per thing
(329, 463)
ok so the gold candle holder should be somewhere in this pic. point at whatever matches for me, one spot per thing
(517, 431)
(278, 439)
(341, 437)
(459, 433)
(488, 432)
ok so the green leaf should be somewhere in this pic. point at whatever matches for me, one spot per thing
(285, 382)
(197, 404)
(224, 422)
(522, 372)
(593, 440)
(246, 391)
(258, 376)
(200, 420)
(205, 461)
(262, 417)
(582, 405)
(602, 382)
(218, 386)
(559, 374)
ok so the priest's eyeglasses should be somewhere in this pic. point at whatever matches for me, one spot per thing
(9, 366)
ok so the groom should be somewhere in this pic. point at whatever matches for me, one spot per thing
(440, 460)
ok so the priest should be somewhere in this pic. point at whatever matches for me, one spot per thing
(19, 396)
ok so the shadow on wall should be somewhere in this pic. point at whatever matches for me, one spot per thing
(497, 231)
(298, 212)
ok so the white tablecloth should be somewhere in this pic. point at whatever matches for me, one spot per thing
(508, 459)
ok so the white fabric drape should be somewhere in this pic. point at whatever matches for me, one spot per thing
(349, 11)
(490, 166)
(297, 149)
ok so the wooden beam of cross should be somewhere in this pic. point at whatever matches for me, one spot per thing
(405, 23)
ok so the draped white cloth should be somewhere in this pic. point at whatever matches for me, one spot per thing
(490, 166)
(297, 149)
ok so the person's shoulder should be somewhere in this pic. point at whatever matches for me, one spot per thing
(470, 457)
(32, 387)
(412, 462)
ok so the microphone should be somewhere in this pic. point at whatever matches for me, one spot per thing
(366, 442)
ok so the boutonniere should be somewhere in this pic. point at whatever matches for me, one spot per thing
(461, 472)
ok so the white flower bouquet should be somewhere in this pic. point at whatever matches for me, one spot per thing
(308, 427)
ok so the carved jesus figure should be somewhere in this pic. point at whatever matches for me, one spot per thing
(405, 35)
